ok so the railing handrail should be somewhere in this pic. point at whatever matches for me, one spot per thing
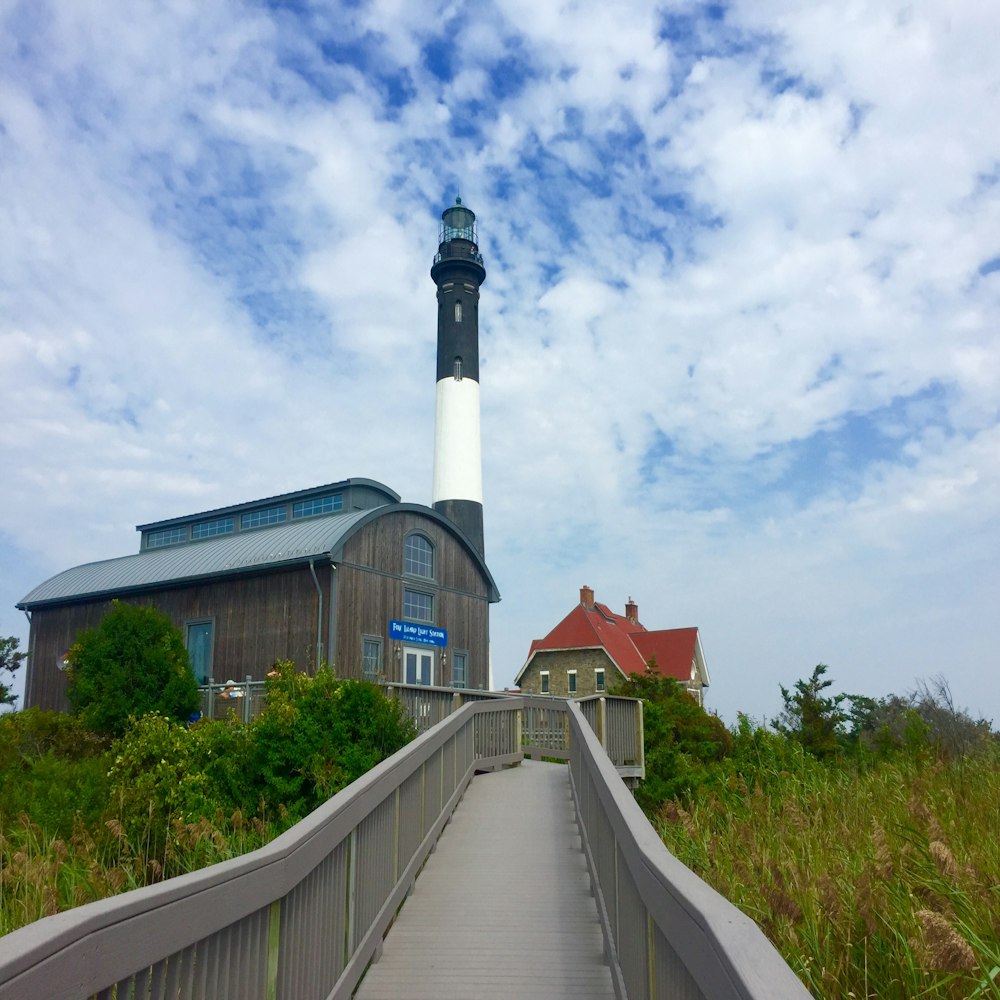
(75, 953)
(180, 927)
(724, 951)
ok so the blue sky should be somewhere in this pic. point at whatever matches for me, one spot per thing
(738, 331)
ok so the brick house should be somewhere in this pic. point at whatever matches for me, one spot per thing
(593, 648)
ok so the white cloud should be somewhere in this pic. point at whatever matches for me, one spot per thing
(739, 361)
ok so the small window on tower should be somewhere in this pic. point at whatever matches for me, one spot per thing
(458, 369)
(458, 311)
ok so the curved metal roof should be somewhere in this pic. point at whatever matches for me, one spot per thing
(242, 552)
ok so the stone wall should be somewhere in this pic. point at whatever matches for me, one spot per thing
(559, 662)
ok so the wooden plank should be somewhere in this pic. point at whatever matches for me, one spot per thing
(503, 907)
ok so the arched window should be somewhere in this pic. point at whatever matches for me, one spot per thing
(418, 557)
(458, 311)
(458, 369)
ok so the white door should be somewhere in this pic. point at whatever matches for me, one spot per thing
(418, 665)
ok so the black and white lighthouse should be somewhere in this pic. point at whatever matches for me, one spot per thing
(458, 272)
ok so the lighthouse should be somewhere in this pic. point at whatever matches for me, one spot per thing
(458, 272)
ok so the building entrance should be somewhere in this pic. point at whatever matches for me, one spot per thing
(418, 665)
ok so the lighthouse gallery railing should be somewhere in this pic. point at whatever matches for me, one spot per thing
(302, 917)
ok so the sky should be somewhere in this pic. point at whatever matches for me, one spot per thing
(738, 332)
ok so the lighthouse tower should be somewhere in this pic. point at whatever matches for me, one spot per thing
(458, 467)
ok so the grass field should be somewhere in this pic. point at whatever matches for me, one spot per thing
(878, 881)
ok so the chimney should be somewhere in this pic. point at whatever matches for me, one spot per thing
(587, 597)
(632, 612)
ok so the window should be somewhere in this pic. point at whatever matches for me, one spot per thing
(207, 529)
(571, 681)
(199, 648)
(418, 557)
(318, 505)
(258, 518)
(166, 536)
(371, 657)
(599, 680)
(458, 311)
(459, 669)
(544, 677)
(418, 607)
(458, 369)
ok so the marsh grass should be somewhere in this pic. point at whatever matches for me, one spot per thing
(872, 881)
(42, 874)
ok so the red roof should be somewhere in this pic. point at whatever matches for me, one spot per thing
(629, 644)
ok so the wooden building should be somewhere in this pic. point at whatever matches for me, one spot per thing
(592, 648)
(343, 573)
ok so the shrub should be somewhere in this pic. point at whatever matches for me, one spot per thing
(680, 738)
(317, 734)
(134, 662)
(51, 769)
(165, 773)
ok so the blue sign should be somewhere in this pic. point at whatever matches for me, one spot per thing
(419, 635)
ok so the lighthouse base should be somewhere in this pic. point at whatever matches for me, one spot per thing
(468, 516)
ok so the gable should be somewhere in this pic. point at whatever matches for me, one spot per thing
(673, 649)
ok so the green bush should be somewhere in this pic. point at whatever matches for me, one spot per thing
(680, 741)
(314, 737)
(318, 734)
(51, 769)
(165, 773)
(134, 662)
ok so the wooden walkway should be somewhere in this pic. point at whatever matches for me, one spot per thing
(503, 907)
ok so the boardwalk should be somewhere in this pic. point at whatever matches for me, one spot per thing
(503, 907)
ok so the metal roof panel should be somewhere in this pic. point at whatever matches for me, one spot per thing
(297, 541)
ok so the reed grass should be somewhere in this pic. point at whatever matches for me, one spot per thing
(42, 874)
(880, 880)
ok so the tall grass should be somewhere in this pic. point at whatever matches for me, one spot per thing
(43, 872)
(873, 881)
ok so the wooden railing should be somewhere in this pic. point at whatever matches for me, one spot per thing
(616, 721)
(667, 933)
(301, 918)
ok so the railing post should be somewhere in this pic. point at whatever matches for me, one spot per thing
(518, 729)
(211, 697)
(352, 893)
(273, 948)
(456, 701)
(602, 722)
(639, 739)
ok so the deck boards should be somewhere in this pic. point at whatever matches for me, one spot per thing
(503, 907)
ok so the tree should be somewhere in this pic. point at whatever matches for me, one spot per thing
(814, 719)
(921, 720)
(134, 662)
(680, 739)
(10, 660)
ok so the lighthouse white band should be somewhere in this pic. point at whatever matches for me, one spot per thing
(458, 465)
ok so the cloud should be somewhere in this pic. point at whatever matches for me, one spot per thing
(738, 329)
